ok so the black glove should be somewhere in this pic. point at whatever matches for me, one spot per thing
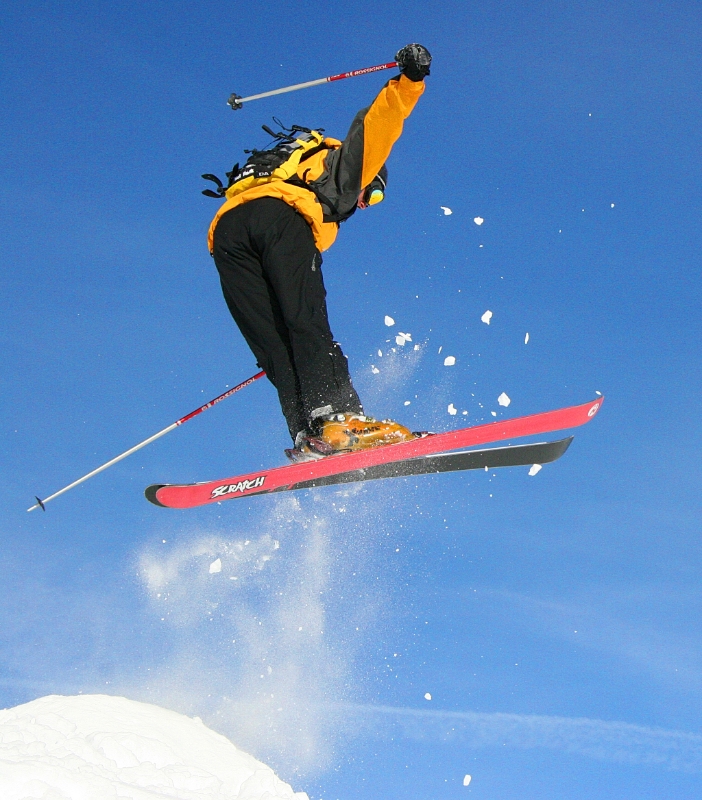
(414, 61)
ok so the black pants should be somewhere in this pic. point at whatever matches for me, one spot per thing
(270, 270)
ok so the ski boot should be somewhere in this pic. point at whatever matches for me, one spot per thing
(340, 433)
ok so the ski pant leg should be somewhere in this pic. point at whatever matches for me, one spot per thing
(292, 264)
(255, 310)
(271, 276)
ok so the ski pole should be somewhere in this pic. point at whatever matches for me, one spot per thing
(228, 393)
(235, 101)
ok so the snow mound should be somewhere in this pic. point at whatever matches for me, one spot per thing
(96, 747)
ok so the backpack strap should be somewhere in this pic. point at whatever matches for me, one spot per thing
(220, 187)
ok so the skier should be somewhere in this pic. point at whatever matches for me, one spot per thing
(267, 239)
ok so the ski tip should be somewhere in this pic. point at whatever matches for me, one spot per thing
(151, 491)
(596, 406)
(559, 448)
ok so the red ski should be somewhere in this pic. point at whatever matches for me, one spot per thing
(367, 462)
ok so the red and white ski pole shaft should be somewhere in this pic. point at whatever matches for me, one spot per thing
(228, 393)
(236, 102)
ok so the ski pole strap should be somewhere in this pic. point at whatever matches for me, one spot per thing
(236, 101)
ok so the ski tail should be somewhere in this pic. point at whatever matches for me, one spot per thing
(151, 494)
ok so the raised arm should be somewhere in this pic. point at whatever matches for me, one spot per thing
(375, 130)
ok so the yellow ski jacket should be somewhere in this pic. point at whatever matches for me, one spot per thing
(341, 172)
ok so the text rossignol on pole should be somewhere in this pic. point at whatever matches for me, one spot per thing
(228, 393)
(236, 102)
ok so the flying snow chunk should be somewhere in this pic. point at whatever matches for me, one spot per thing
(534, 469)
(487, 316)
(452, 410)
(503, 400)
(407, 402)
(375, 370)
(96, 746)
(467, 780)
(401, 338)
(216, 566)
(449, 361)
(494, 413)
(526, 338)
(447, 211)
(389, 321)
(478, 220)
(427, 696)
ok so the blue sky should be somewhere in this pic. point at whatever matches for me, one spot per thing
(553, 619)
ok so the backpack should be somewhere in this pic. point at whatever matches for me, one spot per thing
(279, 163)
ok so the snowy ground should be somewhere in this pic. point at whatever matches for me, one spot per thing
(95, 747)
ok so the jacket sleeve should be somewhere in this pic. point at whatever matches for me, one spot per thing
(368, 143)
